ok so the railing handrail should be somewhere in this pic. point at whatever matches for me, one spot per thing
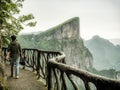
(37, 50)
(81, 73)
(58, 62)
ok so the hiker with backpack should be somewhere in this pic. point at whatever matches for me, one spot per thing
(13, 54)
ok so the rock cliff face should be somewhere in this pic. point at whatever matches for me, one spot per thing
(64, 37)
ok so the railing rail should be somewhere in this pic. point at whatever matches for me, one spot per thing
(51, 67)
(36, 60)
(101, 83)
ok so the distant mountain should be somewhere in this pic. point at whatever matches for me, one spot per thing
(115, 41)
(105, 54)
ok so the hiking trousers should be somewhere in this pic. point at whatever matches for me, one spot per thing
(14, 62)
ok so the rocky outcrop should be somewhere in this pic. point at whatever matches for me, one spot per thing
(3, 76)
(64, 37)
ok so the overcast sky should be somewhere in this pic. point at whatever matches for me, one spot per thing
(97, 17)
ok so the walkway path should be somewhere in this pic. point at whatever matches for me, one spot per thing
(27, 81)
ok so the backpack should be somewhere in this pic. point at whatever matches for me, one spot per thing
(14, 49)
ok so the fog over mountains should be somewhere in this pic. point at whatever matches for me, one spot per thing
(106, 55)
(115, 41)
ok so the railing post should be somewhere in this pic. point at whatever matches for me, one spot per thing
(24, 57)
(87, 87)
(33, 55)
(38, 64)
(64, 86)
(49, 78)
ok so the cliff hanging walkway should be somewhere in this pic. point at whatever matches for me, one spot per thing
(27, 81)
(51, 67)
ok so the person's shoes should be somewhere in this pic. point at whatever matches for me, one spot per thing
(17, 77)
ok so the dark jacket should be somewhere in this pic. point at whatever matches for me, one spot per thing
(15, 49)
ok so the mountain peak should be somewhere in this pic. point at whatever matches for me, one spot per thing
(96, 36)
(99, 40)
(105, 54)
(63, 37)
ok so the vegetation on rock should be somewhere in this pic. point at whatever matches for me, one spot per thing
(10, 21)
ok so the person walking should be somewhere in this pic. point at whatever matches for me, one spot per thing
(13, 54)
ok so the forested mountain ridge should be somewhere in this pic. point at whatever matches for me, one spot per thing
(106, 55)
(64, 37)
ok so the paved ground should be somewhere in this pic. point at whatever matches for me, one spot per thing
(27, 81)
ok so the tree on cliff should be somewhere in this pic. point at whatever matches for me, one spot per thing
(11, 22)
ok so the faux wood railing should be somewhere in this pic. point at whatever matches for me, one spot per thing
(36, 60)
(51, 67)
(59, 73)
